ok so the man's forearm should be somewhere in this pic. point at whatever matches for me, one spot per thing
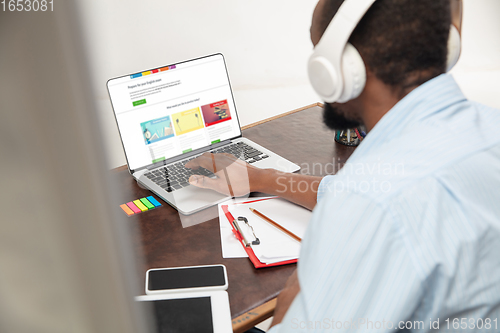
(297, 188)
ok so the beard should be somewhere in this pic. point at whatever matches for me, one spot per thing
(334, 119)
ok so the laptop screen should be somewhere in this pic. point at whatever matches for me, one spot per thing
(173, 110)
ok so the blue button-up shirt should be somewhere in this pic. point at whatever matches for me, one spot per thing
(407, 234)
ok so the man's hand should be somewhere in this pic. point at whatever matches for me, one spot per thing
(237, 178)
(234, 176)
(286, 298)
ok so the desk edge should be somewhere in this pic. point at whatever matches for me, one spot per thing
(281, 115)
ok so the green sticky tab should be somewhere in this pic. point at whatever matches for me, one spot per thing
(215, 141)
(147, 203)
(187, 150)
(159, 159)
(139, 102)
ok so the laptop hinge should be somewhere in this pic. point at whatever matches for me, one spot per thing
(187, 155)
(156, 165)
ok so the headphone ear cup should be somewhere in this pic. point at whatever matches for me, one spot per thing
(354, 74)
(325, 80)
(454, 48)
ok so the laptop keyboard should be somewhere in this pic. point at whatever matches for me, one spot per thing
(175, 176)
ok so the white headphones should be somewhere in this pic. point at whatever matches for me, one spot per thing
(336, 70)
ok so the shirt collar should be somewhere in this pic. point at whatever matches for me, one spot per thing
(429, 98)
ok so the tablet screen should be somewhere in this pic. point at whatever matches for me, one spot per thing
(184, 315)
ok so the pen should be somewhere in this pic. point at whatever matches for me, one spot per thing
(359, 135)
(267, 219)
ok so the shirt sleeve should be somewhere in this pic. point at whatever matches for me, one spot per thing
(355, 272)
(324, 186)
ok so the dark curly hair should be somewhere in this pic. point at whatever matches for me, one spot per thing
(403, 42)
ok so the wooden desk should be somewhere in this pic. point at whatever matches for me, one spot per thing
(299, 136)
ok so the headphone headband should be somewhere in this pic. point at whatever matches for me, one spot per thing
(343, 24)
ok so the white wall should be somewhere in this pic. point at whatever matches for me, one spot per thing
(478, 70)
(266, 45)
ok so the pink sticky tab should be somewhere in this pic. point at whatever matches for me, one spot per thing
(133, 207)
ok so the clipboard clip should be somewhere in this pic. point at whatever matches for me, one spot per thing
(244, 236)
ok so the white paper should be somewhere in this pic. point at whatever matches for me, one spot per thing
(275, 245)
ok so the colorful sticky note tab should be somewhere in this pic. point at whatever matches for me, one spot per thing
(140, 205)
(153, 201)
(146, 73)
(147, 203)
(134, 208)
(127, 210)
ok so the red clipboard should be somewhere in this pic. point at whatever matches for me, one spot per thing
(251, 255)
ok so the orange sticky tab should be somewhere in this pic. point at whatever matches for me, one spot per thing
(127, 210)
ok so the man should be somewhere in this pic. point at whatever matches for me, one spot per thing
(407, 234)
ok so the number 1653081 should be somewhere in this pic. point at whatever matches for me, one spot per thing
(27, 5)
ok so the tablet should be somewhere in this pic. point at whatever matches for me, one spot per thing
(197, 312)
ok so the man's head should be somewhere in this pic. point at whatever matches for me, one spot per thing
(403, 44)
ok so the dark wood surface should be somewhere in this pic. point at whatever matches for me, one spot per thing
(159, 235)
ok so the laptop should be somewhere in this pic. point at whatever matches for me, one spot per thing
(168, 116)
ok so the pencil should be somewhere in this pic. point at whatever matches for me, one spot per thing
(267, 219)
